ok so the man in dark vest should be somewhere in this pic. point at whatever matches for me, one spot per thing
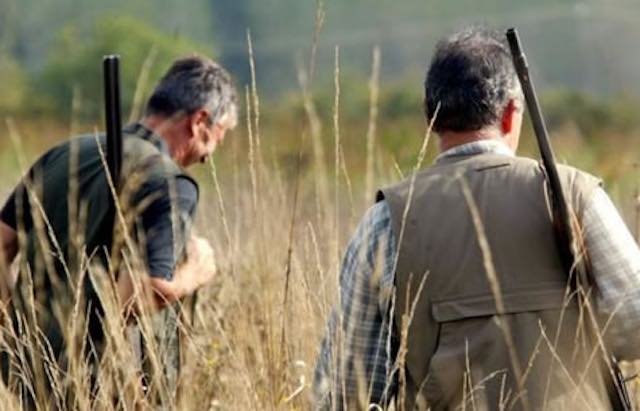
(57, 221)
(452, 292)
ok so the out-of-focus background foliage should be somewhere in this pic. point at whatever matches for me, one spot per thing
(583, 56)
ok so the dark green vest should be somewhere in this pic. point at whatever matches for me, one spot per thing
(461, 350)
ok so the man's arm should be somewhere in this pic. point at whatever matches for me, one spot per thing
(615, 263)
(166, 225)
(8, 250)
(9, 245)
(9, 239)
(355, 356)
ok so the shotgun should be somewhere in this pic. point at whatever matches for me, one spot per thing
(565, 226)
(111, 70)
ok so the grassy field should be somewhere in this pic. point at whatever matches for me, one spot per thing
(279, 201)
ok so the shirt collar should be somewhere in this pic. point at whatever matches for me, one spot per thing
(477, 147)
(141, 131)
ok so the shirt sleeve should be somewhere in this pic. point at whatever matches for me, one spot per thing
(19, 200)
(8, 212)
(355, 356)
(615, 265)
(166, 224)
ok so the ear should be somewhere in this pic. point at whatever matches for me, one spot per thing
(197, 121)
(508, 116)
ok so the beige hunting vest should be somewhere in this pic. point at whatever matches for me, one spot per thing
(461, 350)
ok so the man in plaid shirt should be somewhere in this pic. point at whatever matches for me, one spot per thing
(479, 111)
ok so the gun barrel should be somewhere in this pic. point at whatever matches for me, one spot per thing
(111, 70)
(561, 215)
(537, 120)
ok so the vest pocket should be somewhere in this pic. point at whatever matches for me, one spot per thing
(471, 363)
(543, 297)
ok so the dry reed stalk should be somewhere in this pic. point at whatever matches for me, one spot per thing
(398, 170)
(636, 206)
(337, 157)
(534, 354)
(76, 103)
(5, 285)
(75, 350)
(346, 335)
(254, 94)
(389, 366)
(597, 332)
(468, 378)
(325, 307)
(374, 91)
(143, 293)
(579, 265)
(141, 84)
(402, 349)
(387, 324)
(119, 365)
(261, 221)
(494, 283)
(568, 298)
(255, 101)
(234, 352)
(120, 220)
(252, 155)
(287, 272)
(347, 181)
(563, 368)
(44, 232)
(421, 155)
(407, 319)
(76, 236)
(317, 28)
(479, 387)
(314, 295)
(236, 197)
(6, 280)
(223, 215)
(278, 186)
(315, 129)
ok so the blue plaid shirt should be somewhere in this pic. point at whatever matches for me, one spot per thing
(357, 354)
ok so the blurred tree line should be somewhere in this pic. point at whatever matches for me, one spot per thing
(50, 63)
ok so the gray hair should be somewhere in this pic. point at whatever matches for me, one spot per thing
(472, 79)
(194, 83)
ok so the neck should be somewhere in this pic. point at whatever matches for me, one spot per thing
(165, 128)
(158, 124)
(450, 139)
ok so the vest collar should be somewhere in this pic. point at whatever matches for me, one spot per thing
(462, 151)
(139, 130)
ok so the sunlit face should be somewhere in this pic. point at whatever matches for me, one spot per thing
(205, 138)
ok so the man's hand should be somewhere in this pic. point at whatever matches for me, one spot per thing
(200, 266)
(198, 269)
